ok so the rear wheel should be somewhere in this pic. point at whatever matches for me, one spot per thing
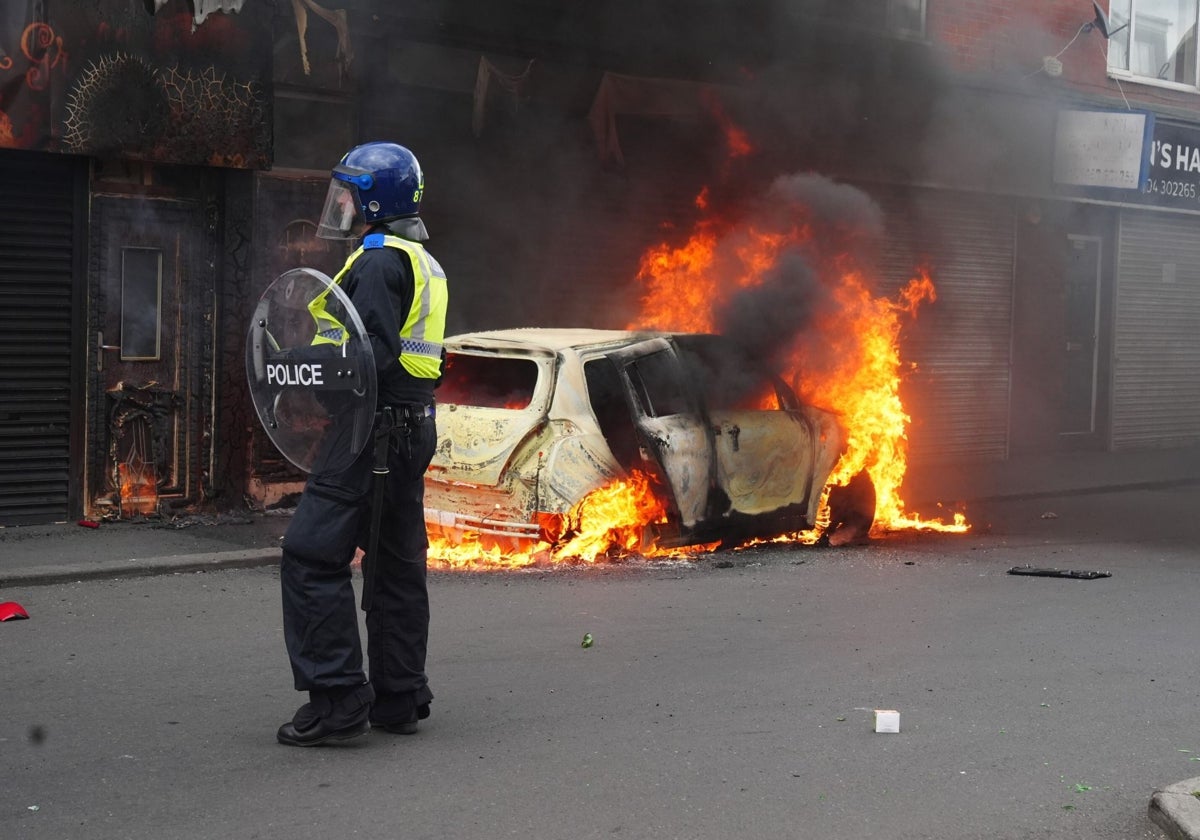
(851, 511)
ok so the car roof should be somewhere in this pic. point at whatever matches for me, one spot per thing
(551, 338)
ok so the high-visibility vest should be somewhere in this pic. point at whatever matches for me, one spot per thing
(424, 327)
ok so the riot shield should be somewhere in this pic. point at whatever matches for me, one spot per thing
(311, 371)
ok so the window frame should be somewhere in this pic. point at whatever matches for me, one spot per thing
(895, 27)
(509, 370)
(141, 304)
(1123, 74)
(656, 380)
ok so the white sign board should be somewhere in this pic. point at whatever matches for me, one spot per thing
(1100, 149)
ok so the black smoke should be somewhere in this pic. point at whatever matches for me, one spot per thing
(832, 228)
(535, 228)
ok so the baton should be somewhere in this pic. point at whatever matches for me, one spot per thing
(383, 437)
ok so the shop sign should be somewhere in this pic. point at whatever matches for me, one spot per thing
(1102, 148)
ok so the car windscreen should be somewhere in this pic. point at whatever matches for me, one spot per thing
(488, 381)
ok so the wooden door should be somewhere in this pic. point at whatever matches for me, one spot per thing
(148, 322)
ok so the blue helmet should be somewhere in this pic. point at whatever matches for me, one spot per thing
(374, 182)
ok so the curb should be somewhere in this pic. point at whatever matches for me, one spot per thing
(1176, 809)
(1000, 495)
(141, 567)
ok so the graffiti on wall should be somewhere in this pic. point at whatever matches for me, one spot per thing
(112, 79)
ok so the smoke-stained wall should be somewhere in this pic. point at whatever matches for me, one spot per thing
(227, 467)
(108, 78)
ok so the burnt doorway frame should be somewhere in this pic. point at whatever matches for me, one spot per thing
(1047, 335)
(149, 399)
(1081, 377)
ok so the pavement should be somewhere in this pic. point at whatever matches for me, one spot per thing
(70, 551)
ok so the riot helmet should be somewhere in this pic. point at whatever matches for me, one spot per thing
(375, 183)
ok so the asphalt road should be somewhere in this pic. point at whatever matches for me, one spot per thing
(729, 697)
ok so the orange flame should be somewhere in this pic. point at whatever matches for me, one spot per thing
(612, 522)
(847, 359)
(737, 141)
(138, 488)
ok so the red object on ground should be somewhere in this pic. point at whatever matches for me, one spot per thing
(12, 610)
(87, 523)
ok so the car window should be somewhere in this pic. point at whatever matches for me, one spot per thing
(488, 381)
(656, 379)
(606, 394)
(729, 380)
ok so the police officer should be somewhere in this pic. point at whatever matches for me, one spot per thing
(400, 293)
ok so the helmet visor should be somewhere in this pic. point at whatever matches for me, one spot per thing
(340, 211)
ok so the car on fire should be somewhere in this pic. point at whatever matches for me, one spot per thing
(530, 421)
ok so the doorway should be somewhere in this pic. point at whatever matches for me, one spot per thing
(147, 331)
(1082, 322)
(1062, 328)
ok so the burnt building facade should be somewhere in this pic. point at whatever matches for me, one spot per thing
(164, 160)
(129, 134)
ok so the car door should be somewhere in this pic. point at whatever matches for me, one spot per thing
(671, 430)
(764, 445)
(765, 458)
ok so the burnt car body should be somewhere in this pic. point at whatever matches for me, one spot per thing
(530, 421)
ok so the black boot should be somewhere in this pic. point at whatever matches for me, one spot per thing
(400, 718)
(335, 714)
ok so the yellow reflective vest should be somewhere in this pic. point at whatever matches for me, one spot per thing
(424, 327)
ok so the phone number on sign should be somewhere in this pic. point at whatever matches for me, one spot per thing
(1171, 189)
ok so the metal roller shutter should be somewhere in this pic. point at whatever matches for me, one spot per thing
(1156, 365)
(37, 262)
(958, 393)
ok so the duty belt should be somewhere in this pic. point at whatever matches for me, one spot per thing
(412, 412)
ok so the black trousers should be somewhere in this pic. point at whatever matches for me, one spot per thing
(320, 614)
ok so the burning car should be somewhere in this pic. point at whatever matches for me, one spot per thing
(532, 421)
